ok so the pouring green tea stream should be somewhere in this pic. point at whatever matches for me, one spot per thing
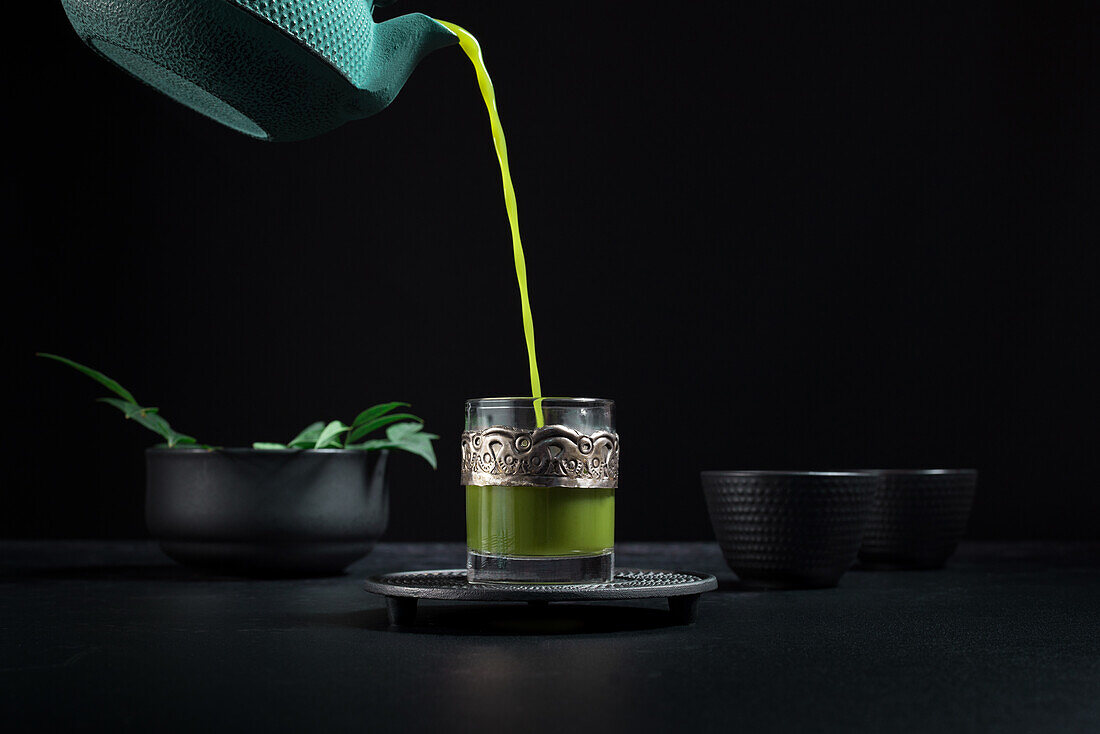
(470, 46)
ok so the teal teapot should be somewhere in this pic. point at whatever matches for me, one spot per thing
(272, 69)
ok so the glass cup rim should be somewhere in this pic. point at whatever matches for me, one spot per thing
(546, 402)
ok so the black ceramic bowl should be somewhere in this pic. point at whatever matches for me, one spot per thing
(789, 529)
(266, 513)
(919, 515)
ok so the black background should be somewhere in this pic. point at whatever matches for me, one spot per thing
(778, 235)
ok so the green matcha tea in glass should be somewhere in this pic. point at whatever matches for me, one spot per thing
(540, 478)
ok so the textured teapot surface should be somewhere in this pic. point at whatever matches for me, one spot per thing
(272, 69)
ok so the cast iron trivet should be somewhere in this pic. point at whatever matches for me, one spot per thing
(402, 590)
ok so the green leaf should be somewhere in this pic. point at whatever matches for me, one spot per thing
(372, 445)
(308, 437)
(96, 375)
(148, 418)
(176, 438)
(377, 423)
(374, 411)
(130, 409)
(420, 445)
(328, 438)
(399, 431)
(145, 416)
(405, 439)
(268, 446)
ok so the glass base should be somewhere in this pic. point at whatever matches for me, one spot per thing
(485, 568)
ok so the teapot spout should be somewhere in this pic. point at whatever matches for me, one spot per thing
(397, 47)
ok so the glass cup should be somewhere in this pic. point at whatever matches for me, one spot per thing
(540, 478)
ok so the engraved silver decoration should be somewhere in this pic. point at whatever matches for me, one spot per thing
(551, 456)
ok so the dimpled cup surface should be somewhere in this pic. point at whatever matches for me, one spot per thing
(918, 517)
(789, 530)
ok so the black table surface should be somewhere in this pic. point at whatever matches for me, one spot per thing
(114, 636)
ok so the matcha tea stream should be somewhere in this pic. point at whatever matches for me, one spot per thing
(470, 45)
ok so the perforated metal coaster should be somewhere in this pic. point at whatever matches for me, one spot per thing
(402, 590)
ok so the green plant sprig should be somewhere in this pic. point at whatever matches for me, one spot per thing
(403, 431)
(147, 417)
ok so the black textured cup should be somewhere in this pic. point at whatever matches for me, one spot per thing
(789, 529)
(918, 518)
